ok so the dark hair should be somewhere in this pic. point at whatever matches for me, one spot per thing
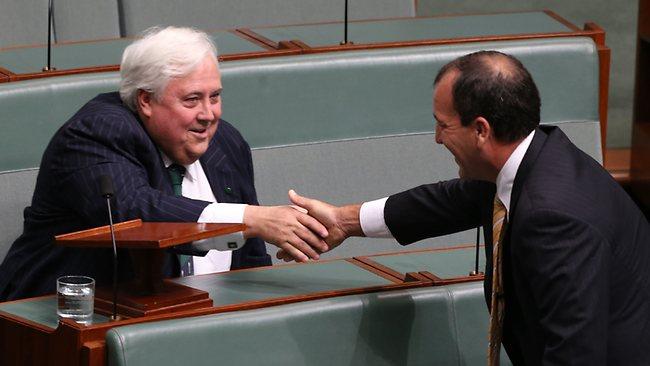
(497, 87)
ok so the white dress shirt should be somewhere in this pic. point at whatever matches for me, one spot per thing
(196, 186)
(371, 215)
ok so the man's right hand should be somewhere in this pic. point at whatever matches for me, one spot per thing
(341, 222)
(297, 234)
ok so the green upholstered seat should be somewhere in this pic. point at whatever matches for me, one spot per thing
(222, 14)
(99, 53)
(425, 326)
(277, 282)
(445, 264)
(405, 30)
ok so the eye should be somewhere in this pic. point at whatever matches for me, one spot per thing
(214, 98)
(191, 101)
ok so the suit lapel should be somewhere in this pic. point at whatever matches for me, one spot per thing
(541, 134)
(215, 165)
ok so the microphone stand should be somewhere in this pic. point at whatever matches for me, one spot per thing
(476, 272)
(49, 67)
(345, 29)
(107, 192)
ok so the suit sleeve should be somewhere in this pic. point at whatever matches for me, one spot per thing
(566, 263)
(436, 209)
(116, 146)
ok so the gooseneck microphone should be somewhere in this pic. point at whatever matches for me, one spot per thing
(50, 14)
(476, 272)
(345, 25)
(106, 187)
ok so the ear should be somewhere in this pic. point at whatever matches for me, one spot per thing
(483, 130)
(144, 102)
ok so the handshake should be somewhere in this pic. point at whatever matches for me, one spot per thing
(303, 230)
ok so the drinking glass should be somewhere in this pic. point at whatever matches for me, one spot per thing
(75, 295)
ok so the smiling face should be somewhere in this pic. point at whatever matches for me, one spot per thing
(460, 140)
(183, 120)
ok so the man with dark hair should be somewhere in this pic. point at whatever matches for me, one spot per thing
(568, 253)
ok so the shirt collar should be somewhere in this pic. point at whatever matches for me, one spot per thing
(506, 176)
(190, 170)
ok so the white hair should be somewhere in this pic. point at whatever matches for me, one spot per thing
(159, 55)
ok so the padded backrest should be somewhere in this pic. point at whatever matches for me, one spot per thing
(343, 126)
(77, 20)
(221, 14)
(23, 22)
(426, 326)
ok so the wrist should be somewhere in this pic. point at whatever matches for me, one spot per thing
(348, 218)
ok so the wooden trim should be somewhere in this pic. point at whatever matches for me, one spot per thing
(426, 250)
(26, 322)
(5, 75)
(300, 44)
(414, 277)
(598, 31)
(429, 42)
(93, 353)
(557, 17)
(617, 162)
(82, 70)
(100, 230)
(258, 38)
(380, 269)
(437, 281)
(244, 34)
(604, 62)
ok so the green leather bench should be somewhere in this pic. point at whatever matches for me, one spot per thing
(417, 29)
(425, 326)
(343, 126)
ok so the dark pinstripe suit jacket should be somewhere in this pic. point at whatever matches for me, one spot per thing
(576, 254)
(104, 137)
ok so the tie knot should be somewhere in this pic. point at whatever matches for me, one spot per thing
(499, 211)
(498, 205)
(176, 173)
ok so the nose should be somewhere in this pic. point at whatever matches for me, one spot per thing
(438, 135)
(206, 114)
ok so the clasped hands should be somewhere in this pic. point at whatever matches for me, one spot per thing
(303, 230)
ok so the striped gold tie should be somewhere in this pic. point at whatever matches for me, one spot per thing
(499, 221)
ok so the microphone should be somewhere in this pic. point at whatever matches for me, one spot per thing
(49, 67)
(106, 187)
(476, 272)
(345, 31)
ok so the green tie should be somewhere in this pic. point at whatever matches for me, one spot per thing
(176, 173)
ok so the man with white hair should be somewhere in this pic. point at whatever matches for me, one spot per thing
(171, 158)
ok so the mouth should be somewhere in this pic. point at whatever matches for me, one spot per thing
(201, 132)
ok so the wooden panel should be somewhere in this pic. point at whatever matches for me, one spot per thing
(5, 75)
(71, 344)
(148, 235)
(617, 163)
(640, 154)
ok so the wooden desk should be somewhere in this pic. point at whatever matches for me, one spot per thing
(30, 333)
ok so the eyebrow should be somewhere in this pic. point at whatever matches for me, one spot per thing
(191, 92)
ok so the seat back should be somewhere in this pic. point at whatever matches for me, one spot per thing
(425, 326)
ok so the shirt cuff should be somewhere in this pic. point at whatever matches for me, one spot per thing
(371, 217)
(223, 213)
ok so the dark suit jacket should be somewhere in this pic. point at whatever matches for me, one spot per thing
(104, 137)
(576, 254)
